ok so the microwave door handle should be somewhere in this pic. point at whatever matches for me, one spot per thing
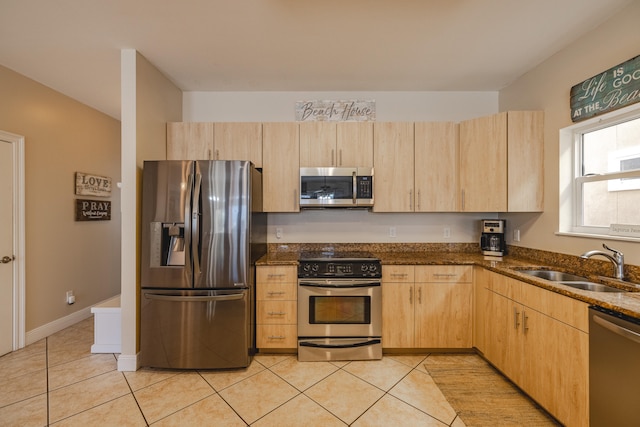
(355, 187)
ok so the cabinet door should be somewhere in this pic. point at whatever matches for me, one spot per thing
(281, 167)
(318, 144)
(480, 313)
(443, 315)
(355, 144)
(238, 141)
(398, 301)
(393, 163)
(436, 166)
(189, 141)
(526, 161)
(483, 164)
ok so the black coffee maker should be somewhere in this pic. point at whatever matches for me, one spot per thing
(492, 239)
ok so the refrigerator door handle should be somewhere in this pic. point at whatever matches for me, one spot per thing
(204, 298)
(187, 225)
(195, 224)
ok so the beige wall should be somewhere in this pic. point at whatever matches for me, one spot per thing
(62, 137)
(547, 88)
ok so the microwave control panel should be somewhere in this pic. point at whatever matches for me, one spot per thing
(364, 187)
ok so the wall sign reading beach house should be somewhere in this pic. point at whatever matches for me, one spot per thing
(335, 111)
(93, 210)
(92, 185)
(615, 88)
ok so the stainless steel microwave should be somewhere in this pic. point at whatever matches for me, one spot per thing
(336, 187)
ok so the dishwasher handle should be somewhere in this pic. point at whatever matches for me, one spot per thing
(617, 329)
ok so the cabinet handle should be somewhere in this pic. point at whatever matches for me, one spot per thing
(419, 295)
(410, 200)
(272, 293)
(411, 296)
(209, 154)
(444, 274)
(516, 315)
(399, 275)
(525, 323)
(276, 337)
(340, 157)
(333, 157)
(217, 154)
(274, 275)
(276, 313)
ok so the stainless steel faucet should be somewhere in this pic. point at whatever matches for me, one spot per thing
(617, 259)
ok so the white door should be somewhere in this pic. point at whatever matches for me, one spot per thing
(6, 247)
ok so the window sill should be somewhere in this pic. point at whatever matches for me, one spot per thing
(597, 236)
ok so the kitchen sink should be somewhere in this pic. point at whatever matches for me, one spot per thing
(554, 276)
(572, 280)
(590, 286)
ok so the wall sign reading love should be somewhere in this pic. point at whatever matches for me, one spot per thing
(615, 88)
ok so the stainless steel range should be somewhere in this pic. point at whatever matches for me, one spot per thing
(339, 307)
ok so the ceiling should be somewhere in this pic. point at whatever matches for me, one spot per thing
(73, 46)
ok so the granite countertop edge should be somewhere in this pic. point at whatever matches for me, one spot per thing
(627, 303)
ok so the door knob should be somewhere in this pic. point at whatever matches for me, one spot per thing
(7, 259)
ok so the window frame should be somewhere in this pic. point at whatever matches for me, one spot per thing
(571, 179)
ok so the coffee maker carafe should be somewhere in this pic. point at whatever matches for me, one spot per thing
(492, 239)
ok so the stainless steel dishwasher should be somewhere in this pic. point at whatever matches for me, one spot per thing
(614, 369)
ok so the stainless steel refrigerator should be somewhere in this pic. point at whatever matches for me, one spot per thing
(202, 231)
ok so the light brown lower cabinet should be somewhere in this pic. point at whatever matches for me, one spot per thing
(426, 306)
(276, 307)
(539, 339)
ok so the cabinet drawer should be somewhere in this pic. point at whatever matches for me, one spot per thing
(276, 274)
(276, 291)
(444, 274)
(398, 273)
(276, 312)
(276, 336)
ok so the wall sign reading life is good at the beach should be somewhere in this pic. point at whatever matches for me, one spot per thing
(615, 88)
(335, 111)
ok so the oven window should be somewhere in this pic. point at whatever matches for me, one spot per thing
(340, 310)
(326, 187)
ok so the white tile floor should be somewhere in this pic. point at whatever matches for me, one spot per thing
(58, 382)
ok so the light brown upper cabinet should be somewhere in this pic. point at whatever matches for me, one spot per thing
(238, 141)
(393, 167)
(436, 167)
(483, 164)
(189, 141)
(281, 167)
(215, 141)
(331, 144)
(525, 161)
(501, 162)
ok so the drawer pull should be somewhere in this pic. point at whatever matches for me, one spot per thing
(276, 337)
(399, 274)
(271, 293)
(444, 274)
(276, 313)
(274, 276)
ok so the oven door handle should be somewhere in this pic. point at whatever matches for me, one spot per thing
(358, 344)
(340, 286)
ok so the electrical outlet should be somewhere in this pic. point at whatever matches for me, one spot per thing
(278, 233)
(516, 235)
(392, 232)
(446, 232)
(70, 297)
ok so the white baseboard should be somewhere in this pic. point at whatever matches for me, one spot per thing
(128, 362)
(57, 325)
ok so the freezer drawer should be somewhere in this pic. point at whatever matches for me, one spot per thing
(196, 329)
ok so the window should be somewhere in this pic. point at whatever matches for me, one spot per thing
(600, 176)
